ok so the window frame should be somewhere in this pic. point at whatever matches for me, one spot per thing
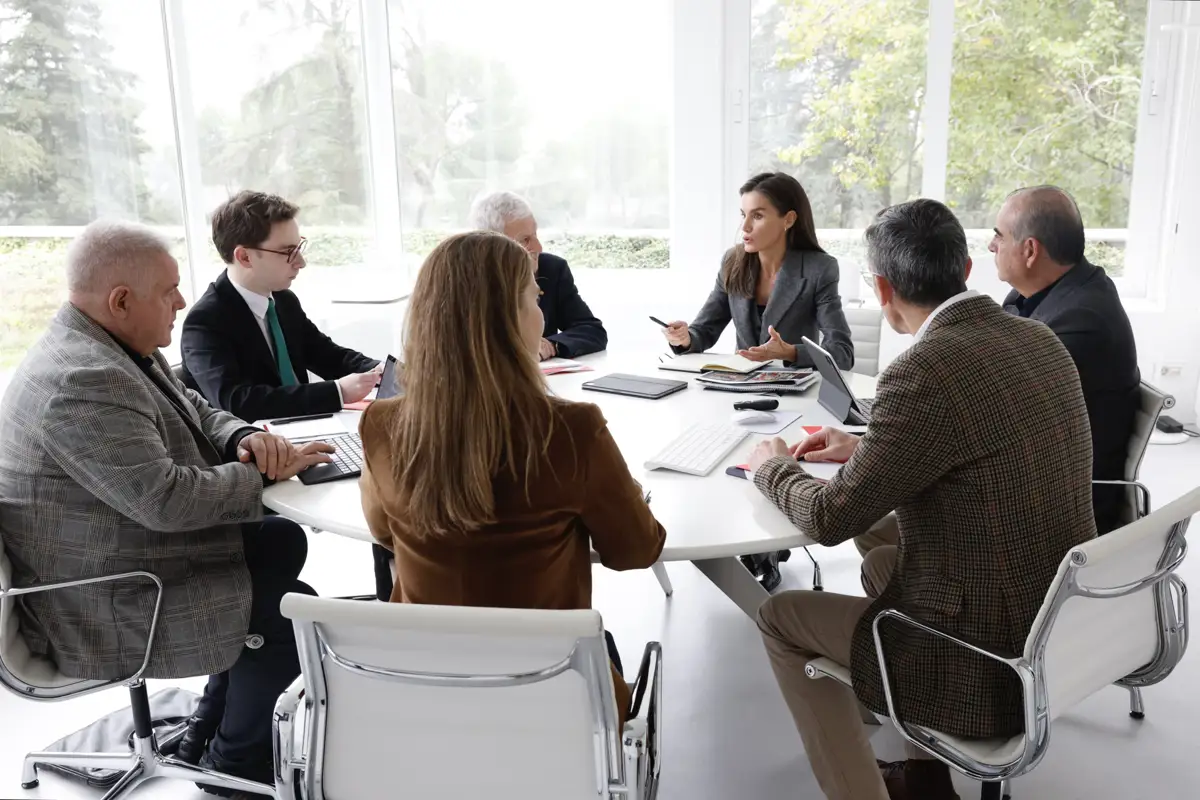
(1144, 271)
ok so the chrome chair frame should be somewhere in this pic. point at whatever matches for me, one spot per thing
(1170, 595)
(615, 755)
(1152, 404)
(145, 762)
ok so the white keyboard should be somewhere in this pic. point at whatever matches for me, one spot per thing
(700, 448)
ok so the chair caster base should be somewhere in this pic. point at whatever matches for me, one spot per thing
(33, 784)
(1137, 715)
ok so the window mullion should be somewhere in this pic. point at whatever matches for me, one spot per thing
(939, 57)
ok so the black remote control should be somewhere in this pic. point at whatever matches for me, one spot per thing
(766, 404)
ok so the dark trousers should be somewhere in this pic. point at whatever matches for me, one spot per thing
(382, 559)
(243, 697)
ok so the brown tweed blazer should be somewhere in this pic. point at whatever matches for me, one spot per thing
(979, 440)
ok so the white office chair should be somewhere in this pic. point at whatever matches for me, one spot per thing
(1151, 403)
(37, 678)
(399, 700)
(1114, 612)
(865, 333)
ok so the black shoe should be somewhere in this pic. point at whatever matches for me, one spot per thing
(770, 576)
(194, 741)
(752, 564)
(262, 773)
(917, 779)
(784, 555)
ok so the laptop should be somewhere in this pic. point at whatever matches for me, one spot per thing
(348, 459)
(389, 384)
(835, 395)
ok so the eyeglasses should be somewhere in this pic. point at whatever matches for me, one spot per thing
(868, 278)
(290, 253)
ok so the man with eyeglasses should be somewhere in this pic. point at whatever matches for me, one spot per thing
(247, 344)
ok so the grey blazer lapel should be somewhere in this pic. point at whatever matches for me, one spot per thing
(789, 285)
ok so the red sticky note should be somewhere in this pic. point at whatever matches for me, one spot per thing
(361, 405)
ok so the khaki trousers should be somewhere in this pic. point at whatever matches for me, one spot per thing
(800, 626)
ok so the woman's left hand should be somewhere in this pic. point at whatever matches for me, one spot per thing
(774, 349)
(766, 450)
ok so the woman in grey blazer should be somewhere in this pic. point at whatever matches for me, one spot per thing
(777, 286)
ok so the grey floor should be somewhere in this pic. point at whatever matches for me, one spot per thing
(726, 732)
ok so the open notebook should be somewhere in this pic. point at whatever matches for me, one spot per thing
(710, 362)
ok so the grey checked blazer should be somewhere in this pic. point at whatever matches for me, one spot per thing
(99, 474)
(804, 302)
(979, 440)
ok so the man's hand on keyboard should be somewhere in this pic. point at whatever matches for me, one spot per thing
(268, 451)
(306, 455)
(827, 444)
(765, 451)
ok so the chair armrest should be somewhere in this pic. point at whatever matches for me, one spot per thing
(283, 727)
(649, 679)
(137, 574)
(651, 659)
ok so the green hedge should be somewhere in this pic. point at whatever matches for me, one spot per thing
(33, 280)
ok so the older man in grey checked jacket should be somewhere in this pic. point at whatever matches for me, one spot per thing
(110, 464)
(979, 441)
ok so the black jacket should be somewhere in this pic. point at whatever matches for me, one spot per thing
(569, 322)
(1085, 311)
(227, 359)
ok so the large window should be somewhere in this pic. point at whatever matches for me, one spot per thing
(85, 132)
(278, 106)
(851, 98)
(565, 103)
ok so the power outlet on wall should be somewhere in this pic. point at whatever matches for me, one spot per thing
(1173, 377)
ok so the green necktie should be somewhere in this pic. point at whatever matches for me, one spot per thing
(282, 360)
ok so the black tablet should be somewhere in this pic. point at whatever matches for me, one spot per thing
(635, 385)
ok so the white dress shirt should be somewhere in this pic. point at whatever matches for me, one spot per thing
(258, 305)
(969, 293)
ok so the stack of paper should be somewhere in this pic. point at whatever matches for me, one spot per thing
(558, 366)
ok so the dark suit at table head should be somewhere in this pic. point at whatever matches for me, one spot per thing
(570, 327)
(1039, 244)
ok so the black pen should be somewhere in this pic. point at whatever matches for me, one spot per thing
(289, 420)
(659, 321)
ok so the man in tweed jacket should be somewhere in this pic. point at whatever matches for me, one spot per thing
(979, 441)
(109, 464)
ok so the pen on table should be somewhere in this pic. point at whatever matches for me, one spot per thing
(647, 498)
(288, 420)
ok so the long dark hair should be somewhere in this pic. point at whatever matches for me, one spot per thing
(740, 269)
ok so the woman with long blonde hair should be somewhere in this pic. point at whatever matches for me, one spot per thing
(489, 491)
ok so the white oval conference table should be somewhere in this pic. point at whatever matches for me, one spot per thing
(709, 520)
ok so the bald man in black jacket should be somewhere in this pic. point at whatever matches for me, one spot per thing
(1039, 245)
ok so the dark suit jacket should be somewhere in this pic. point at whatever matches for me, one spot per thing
(227, 359)
(804, 302)
(979, 441)
(569, 322)
(1084, 309)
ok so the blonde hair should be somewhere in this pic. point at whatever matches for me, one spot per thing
(475, 400)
